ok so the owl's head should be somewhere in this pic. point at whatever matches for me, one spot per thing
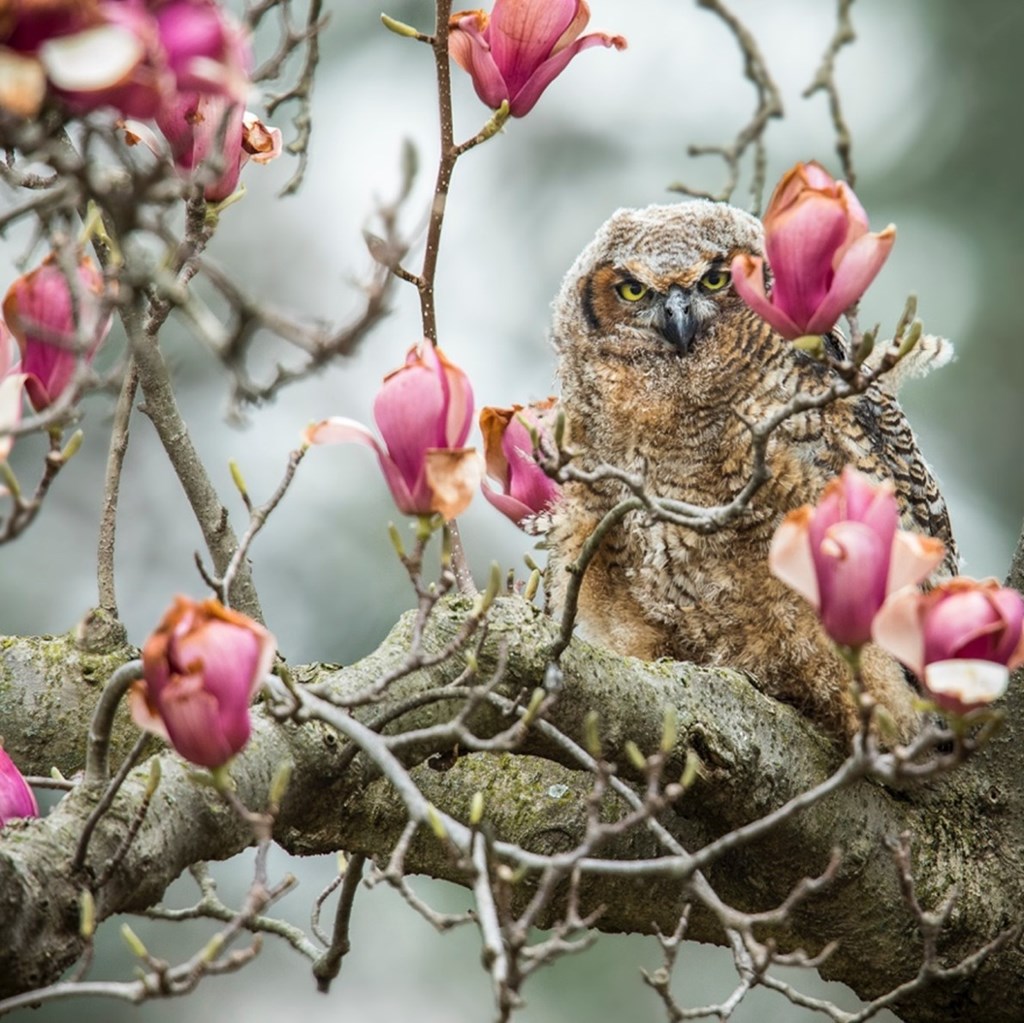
(654, 280)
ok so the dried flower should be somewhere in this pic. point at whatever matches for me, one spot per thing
(962, 639)
(821, 253)
(525, 489)
(846, 554)
(201, 669)
(423, 411)
(518, 50)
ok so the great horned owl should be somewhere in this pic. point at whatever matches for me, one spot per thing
(661, 363)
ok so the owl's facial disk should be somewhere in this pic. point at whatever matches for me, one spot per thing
(674, 307)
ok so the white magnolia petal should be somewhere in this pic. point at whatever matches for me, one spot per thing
(95, 59)
(968, 682)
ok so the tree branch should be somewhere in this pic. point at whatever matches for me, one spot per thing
(755, 755)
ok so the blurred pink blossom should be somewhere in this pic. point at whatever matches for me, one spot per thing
(133, 55)
(16, 798)
(53, 328)
(208, 131)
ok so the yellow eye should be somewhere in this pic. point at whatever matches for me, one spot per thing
(630, 290)
(715, 280)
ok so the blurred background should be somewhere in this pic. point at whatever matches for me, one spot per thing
(931, 92)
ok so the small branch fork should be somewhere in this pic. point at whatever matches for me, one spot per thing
(769, 107)
(825, 81)
(300, 91)
(257, 520)
(158, 978)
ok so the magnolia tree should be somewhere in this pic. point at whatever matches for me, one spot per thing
(572, 792)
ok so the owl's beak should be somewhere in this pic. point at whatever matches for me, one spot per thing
(678, 324)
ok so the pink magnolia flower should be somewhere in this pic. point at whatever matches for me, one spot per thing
(518, 50)
(962, 639)
(134, 55)
(423, 411)
(211, 135)
(201, 669)
(821, 253)
(525, 489)
(846, 554)
(41, 312)
(116, 61)
(16, 798)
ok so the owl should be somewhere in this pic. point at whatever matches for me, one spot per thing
(661, 366)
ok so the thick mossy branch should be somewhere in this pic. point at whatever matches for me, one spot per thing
(755, 754)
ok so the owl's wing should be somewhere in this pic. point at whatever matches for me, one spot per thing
(892, 453)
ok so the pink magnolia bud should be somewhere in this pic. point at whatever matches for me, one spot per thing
(525, 489)
(208, 131)
(962, 639)
(41, 313)
(821, 254)
(16, 798)
(423, 411)
(518, 50)
(846, 554)
(201, 669)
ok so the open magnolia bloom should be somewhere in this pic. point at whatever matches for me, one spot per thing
(846, 554)
(962, 639)
(821, 253)
(521, 47)
(423, 411)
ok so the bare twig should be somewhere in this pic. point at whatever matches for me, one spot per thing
(111, 485)
(769, 105)
(825, 81)
(328, 966)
